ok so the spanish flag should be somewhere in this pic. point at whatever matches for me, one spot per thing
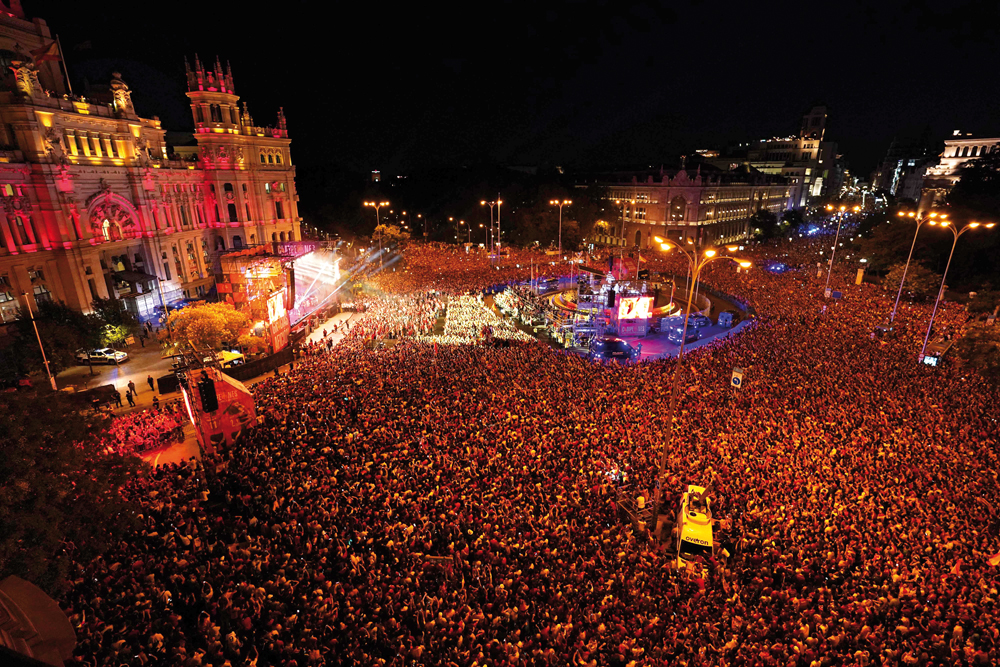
(48, 52)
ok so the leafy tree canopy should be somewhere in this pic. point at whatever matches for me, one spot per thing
(63, 331)
(118, 323)
(390, 234)
(764, 223)
(920, 281)
(980, 348)
(209, 326)
(59, 492)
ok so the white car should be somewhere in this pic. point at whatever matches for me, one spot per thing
(104, 355)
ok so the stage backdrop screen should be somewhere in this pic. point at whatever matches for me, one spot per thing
(634, 308)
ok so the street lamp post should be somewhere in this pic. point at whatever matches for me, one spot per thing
(956, 233)
(836, 239)
(560, 204)
(696, 264)
(929, 218)
(494, 242)
(48, 371)
(378, 223)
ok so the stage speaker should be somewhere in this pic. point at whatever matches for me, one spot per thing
(290, 289)
(611, 298)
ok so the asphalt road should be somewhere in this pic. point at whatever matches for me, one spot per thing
(143, 361)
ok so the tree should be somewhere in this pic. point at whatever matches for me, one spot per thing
(887, 243)
(63, 331)
(764, 223)
(210, 326)
(117, 322)
(985, 301)
(976, 196)
(390, 234)
(920, 281)
(980, 348)
(60, 495)
(792, 219)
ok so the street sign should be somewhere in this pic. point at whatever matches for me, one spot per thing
(737, 379)
(836, 295)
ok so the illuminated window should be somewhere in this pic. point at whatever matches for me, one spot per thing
(270, 159)
(267, 188)
(42, 294)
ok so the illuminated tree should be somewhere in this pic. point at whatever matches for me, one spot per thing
(390, 234)
(210, 327)
(116, 320)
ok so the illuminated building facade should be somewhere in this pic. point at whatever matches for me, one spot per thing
(94, 203)
(714, 206)
(809, 163)
(941, 178)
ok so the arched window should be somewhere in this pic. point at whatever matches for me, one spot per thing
(216, 113)
(237, 241)
(262, 158)
(281, 236)
(638, 238)
(220, 243)
(277, 158)
(228, 187)
(678, 209)
(274, 236)
(270, 158)
(253, 239)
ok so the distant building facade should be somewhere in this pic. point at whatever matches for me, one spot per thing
(93, 206)
(710, 207)
(811, 164)
(942, 177)
(901, 173)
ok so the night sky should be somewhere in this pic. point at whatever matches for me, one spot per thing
(370, 85)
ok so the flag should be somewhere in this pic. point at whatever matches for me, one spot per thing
(47, 52)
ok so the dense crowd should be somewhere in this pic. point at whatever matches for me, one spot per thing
(417, 506)
(145, 430)
(469, 320)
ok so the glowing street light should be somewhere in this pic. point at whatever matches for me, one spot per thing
(560, 204)
(378, 223)
(696, 264)
(920, 222)
(956, 233)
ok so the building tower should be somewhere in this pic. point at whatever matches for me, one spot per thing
(814, 123)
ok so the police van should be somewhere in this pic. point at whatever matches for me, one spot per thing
(694, 527)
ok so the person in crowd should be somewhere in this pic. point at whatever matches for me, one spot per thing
(459, 504)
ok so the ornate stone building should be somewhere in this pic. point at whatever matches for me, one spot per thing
(92, 203)
(707, 205)
(942, 177)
